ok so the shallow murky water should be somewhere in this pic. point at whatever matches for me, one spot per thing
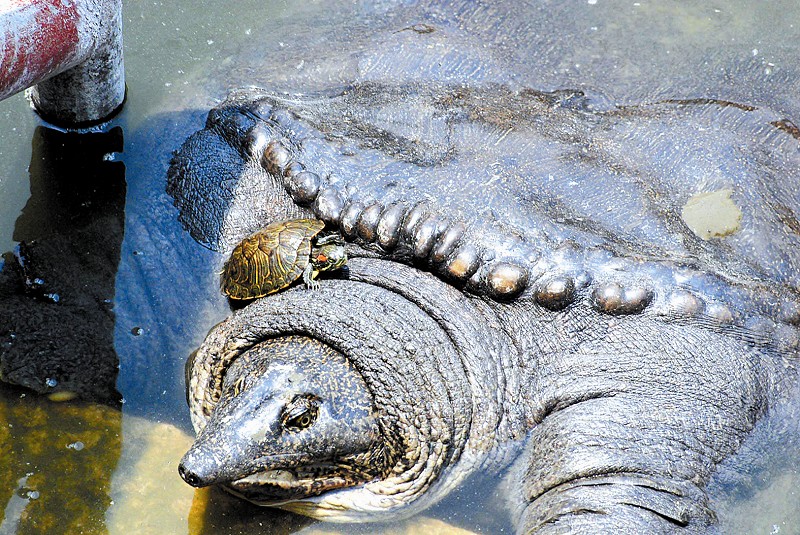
(92, 468)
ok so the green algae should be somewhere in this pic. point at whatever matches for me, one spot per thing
(56, 462)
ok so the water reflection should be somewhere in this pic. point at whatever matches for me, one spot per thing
(213, 512)
(57, 288)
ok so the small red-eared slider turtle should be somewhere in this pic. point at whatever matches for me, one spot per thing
(277, 255)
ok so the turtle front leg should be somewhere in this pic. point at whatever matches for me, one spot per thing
(627, 441)
(309, 274)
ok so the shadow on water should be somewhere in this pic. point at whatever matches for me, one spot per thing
(57, 288)
(213, 512)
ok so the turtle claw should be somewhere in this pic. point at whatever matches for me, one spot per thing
(312, 285)
(308, 277)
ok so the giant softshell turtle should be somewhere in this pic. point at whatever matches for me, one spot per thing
(630, 358)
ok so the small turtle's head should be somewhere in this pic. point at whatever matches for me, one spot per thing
(295, 419)
(328, 256)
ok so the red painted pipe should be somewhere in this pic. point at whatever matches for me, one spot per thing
(69, 52)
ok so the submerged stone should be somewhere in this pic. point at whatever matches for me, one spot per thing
(712, 214)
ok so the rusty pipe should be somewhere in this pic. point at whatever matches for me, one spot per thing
(68, 52)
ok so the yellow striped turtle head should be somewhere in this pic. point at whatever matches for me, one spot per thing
(328, 254)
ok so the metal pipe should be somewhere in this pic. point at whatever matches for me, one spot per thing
(70, 51)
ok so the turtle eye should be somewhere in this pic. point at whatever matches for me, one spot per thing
(333, 257)
(300, 413)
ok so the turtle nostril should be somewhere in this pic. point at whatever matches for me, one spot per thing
(188, 476)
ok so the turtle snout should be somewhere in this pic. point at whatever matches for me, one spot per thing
(189, 476)
(194, 471)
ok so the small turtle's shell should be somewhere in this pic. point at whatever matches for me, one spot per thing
(269, 260)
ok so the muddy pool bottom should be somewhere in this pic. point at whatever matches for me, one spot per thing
(75, 467)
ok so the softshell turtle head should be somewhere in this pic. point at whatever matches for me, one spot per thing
(348, 404)
(295, 419)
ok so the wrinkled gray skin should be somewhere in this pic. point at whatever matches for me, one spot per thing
(549, 316)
